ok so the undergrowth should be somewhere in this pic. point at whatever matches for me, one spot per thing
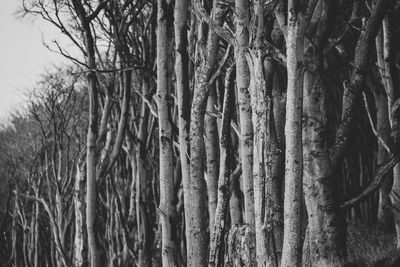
(371, 246)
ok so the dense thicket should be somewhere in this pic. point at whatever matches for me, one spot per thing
(205, 132)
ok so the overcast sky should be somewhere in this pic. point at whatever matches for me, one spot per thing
(23, 57)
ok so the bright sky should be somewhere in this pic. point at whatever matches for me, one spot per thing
(23, 57)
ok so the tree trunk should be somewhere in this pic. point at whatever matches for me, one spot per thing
(395, 193)
(91, 173)
(142, 187)
(391, 80)
(267, 158)
(326, 232)
(385, 217)
(257, 89)
(210, 121)
(91, 152)
(292, 244)
(326, 228)
(183, 92)
(79, 203)
(212, 153)
(198, 254)
(217, 236)
(259, 118)
(274, 165)
(142, 216)
(246, 126)
(14, 232)
(36, 236)
(235, 204)
(166, 207)
(198, 233)
(385, 121)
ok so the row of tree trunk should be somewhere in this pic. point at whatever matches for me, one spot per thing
(217, 133)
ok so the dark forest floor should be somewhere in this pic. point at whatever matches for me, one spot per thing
(371, 246)
(368, 246)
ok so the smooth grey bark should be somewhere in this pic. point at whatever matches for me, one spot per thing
(183, 92)
(198, 248)
(268, 162)
(212, 154)
(79, 208)
(326, 232)
(36, 236)
(142, 183)
(61, 255)
(217, 236)
(197, 256)
(210, 121)
(385, 216)
(235, 203)
(93, 131)
(391, 81)
(259, 118)
(166, 206)
(246, 126)
(258, 97)
(326, 227)
(292, 243)
(383, 129)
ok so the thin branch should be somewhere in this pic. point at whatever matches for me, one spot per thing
(222, 63)
(110, 70)
(97, 10)
(373, 126)
(202, 14)
(153, 108)
(275, 53)
(218, 115)
(391, 160)
(56, 231)
(63, 53)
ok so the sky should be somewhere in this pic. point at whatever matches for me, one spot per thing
(23, 57)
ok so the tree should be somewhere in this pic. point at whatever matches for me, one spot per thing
(246, 127)
(183, 93)
(167, 210)
(291, 253)
(120, 160)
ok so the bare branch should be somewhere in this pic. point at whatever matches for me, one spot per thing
(222, 63)
(223, 33)
(373, 126)
(97, 10)
(391, 160)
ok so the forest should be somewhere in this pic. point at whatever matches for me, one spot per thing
(207, 133)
